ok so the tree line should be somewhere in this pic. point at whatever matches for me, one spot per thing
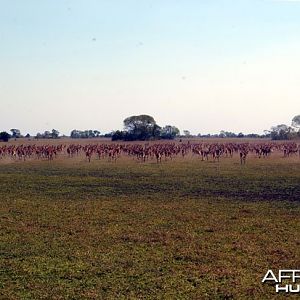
(144, 127)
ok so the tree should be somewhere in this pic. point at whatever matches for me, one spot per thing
(156, 132)
(96, 133)
(47, 135)
(75, 134)
(134, 123)
(39, 136)
(4, 136)
(296, 121)
(187, 133)
(222, 134)
(227, 134)
(15, 133)
(118, 135)
(254, 135)
(281, 132)
(169, 132)
(144, 127)
(55, 134)
(141, 127)
(108, 135)
(78, 134)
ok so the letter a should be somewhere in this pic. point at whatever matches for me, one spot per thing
(272, 278)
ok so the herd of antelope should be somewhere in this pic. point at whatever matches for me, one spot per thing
(147, 151)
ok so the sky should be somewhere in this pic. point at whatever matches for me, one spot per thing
(201, 65)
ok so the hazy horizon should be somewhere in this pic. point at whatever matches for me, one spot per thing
(203, 66)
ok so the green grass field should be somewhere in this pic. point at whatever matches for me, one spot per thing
(183, 229)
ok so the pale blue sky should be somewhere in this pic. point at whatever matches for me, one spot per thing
(201, 65)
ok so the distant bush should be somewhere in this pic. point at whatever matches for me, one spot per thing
(4, 136)
(54, 134)
(86, 134)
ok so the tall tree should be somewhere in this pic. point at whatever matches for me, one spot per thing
(140, 127)
(296, 121)
(281, 132)
(15, 133)
(55, 134)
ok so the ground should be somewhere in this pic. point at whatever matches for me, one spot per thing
(183, 229)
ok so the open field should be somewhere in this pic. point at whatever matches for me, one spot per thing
(184, 229)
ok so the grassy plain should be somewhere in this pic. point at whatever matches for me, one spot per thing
(183, 229)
